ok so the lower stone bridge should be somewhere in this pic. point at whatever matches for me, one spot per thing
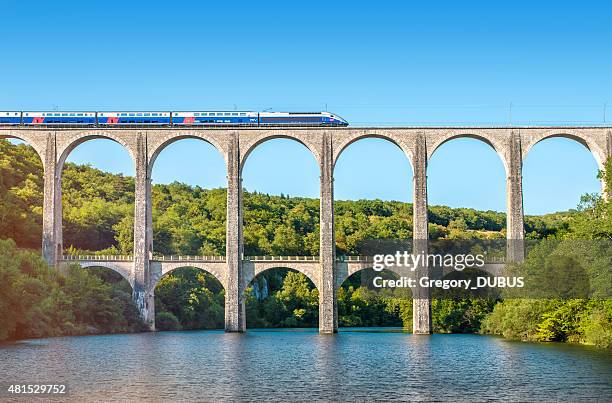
(252, 266)
(418, 144)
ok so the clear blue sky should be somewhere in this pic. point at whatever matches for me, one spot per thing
(372, 63)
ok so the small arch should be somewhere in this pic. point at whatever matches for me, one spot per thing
(195, 287)
(169, 269)
(272, 135)
(294, 307)
(172, 138)
(29, 141)
(344, 145)
(259, 268)
(364, 301)
(352, 271)
(122, 271)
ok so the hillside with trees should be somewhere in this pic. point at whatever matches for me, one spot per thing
(189, 220)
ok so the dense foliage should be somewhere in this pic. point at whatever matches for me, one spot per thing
(189, 220)
(37, 301)
(189, 299)
(98, 210)
(584, 244)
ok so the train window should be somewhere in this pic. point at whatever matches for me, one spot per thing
(139, 114)
(79, 114)
(234, 114)
(147, 114)
(243, 114)
(227, 114)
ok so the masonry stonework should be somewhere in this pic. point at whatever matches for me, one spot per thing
(326, 144)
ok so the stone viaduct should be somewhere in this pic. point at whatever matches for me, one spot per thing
(235, 270)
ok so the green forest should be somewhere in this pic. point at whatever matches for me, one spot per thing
(189, 220)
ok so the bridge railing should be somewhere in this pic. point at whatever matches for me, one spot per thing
(193, 258)
(104, 258)
(188, 258)
(282, 258)
(355, 259)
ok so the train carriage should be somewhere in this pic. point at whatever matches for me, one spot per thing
(214, 118)
(300, 119)
(133, 118)
(178, 119)
(59, 118)
(10, 118)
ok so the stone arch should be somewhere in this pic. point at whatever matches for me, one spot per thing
(496, 142)
(309, 139)
(589, 141)
(344, 275)
(167, 268)
(116, 267)
(73, 141)
(310, 272)
(68, 141)
(392, 137)
(167, 140)
(36, 143)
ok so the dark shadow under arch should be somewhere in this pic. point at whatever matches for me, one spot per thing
(189, 298)
(281, 297)
(362, 304)
(111, 276)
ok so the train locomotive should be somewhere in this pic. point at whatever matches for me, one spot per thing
(151, 118)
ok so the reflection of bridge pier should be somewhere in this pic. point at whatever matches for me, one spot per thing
(143, 271)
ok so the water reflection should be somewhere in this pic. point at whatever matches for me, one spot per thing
(301, 365)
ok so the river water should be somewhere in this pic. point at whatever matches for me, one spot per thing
(301, 365)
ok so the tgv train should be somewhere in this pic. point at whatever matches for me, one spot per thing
(205, 118)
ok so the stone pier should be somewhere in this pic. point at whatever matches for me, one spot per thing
(326, 145)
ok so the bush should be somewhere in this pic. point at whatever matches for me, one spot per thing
(167, 321)
(38, 301)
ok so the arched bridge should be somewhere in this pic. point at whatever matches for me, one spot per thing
(142, 270)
